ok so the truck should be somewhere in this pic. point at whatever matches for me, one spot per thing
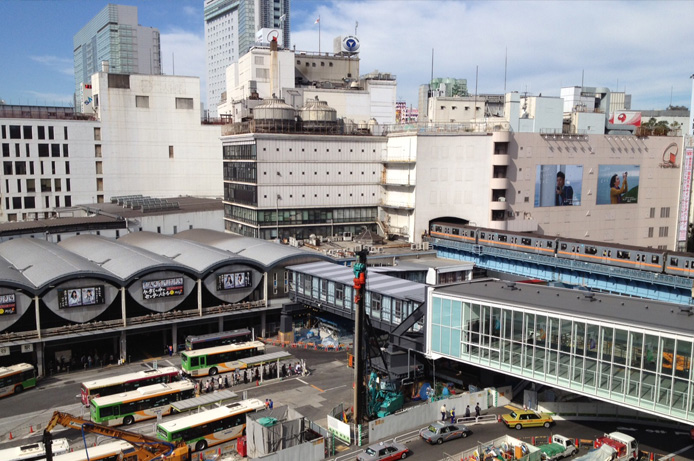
(624, 447)
(560, 447)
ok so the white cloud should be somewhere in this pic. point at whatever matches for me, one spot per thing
(549, 44)
(183, 53)
(58, 64)
(191, 11)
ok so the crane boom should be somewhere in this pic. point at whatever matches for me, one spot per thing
(146, 448)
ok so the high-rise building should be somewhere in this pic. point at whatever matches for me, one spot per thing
(230, 28)
(114, 35)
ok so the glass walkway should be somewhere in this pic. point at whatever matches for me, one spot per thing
(631, 352)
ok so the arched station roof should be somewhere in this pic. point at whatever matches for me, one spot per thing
(120, 259)
(43, 263)
(267, 254)
(197, 256)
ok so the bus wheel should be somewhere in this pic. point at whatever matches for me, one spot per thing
(213, 371)
(128, 420)
(18, 389)
(201, 445)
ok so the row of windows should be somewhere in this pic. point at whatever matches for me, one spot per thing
(44, 150)
(315, 149)
(47, 185)
(212, 427)
(16, 378)
(240, 152)
(241, 193)
(27, 132)
(301, 216)
(313, 64)
(20, 168)
(22, 203)
(664, 212)
(373, 194)
(126, 408)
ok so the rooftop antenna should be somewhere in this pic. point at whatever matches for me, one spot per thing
(671, 95)
(173, 65)
(583, 73)
(432, 67)
(356, 25)
(476, 74)
(505, 68)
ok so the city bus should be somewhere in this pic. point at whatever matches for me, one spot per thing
(222, 338)
(127, 382)
(220, 359)
(105, 452)
(211, 427)
(15, 378)
(138, 405)
(34, 451)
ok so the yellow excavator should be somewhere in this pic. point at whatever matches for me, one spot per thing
(146, 448)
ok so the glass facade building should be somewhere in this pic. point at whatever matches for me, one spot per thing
(630, 352)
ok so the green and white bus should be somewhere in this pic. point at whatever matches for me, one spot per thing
(15, 378)
(221, 359)
(138, 405)
(210, 428)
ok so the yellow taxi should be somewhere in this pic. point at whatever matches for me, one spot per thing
(526, 418)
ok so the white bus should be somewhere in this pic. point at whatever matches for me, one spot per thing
(143, 403)
(212, 427)
(105, 452)
(127, 382)
(34, 451)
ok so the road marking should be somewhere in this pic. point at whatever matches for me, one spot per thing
(317, 388)
(333, 388)
(170, 363)
(301, 381)
(627, 429)
(678, 452)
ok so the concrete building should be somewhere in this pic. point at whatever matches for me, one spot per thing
(114, 35)
(230, 32)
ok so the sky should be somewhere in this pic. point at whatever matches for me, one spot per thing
(645, 48)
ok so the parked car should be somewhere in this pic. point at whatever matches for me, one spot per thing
(384, 451)
(526, 418)
(440, 432)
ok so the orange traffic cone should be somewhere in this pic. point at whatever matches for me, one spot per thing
(31, 429)
(11, 436)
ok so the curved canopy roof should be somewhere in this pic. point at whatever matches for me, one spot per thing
(264, 252)
(195, 255)
(43, 263)
(122, 260)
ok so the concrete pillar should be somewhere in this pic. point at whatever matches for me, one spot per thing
(174, 337)
(38, 317)
(220, 324)
(40, 359)
(263, 316)
(266, 281)
(124, 315)
(200, 297)
(123, 347)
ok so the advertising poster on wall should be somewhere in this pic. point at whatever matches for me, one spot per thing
(7, 304)
(234, 280)
(618, 184)
(76, 297)
(558, 185)
(152, 289)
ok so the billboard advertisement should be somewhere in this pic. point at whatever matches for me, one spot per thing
(618, 184)
(7, 304)
(558, 185)
(76, 297)
(233, 280)
(625, 118)
(164, 288)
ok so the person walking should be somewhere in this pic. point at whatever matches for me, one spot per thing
(443, 412)
(478, 410)
(467, 411)
(452, 415)
(271, 404)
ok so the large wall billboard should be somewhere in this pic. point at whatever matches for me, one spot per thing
(233, 280)
(618, 184)
(164, 288)
(558, 185)
(76, 297)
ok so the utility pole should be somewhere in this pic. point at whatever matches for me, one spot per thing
(360, 350)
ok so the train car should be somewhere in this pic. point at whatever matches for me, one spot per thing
(632, 257)
(517, 241)
(450, 231)
(678, 263)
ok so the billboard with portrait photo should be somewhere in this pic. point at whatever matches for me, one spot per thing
(76, 297)
(618, 184)
(558, 185)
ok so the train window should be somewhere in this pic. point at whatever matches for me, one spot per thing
(604, 253)
(591, 250)
(438, 229)
(674, 262)
(564, 246)
(549, 244)
(503, 238)
(481, 235)
(686, 264)
(621, 254)
(491, 237)
(609, 253)
(515, 240)
(455, 231)
(525, 241)
(655, 259)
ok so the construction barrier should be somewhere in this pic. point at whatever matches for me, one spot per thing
(305, 345)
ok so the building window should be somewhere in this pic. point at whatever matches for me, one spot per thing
(142, 102)
(99, 168)
(43, 150)
(663, 231)
(65, 133)
(100, 184)
(57, 185)
(67, 167)
(16, 203)
(51, 134)
(68, 200)
(41, 131)
(184, 103)
(67, 184)
(27, 132)
(7, 169)
(65, 150)
(15, 132)
(57, 201)
(31, 185)
(55, 150)
(4, 132)
(97, 150)
(665, 212)
(5, 150)
(29, 202)
(20, 168)
(171, 152)
(46, 186)
(97, 133)
(650, 232)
